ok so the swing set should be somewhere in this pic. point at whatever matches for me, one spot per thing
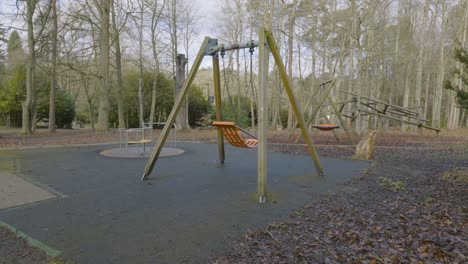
(266, 45)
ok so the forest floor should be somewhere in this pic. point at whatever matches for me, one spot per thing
(409, 206)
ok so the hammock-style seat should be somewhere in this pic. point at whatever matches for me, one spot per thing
(231, 134)
(325, 127)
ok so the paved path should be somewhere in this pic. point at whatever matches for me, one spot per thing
(15, 190)
(189, 208)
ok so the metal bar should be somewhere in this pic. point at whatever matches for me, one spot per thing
(217, 93)
(225, 47)
(177, 104)
(246, 132)
(288, 87)
(263, 57)
(342, 107)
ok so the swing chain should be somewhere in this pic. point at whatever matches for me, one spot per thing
(222, 53)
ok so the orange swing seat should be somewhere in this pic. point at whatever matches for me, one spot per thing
(325, 127)
(231, 134)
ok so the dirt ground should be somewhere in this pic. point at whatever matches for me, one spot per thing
(410, 206)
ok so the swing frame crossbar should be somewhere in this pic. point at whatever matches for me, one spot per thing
(266, 45)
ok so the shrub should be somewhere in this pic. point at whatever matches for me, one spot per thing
(240, 114)
(64, 109)
(198, 105)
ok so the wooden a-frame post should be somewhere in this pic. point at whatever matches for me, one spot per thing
(292, 100)
(217, 92)
(172, 116)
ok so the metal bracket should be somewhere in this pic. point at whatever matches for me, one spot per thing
(212, 45)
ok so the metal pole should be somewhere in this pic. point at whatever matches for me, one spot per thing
(226, 47)
(263, 58)
(217, 94)
(177, 104)
(288, 87)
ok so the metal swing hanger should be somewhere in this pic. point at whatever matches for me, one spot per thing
(251, 45)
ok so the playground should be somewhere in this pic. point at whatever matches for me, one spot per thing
(255, 200)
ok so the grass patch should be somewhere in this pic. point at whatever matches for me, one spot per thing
(459, 175)
(391, 184)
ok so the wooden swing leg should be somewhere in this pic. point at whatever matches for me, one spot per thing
(172, 116)
(288, 87)
(263, 57)
(217, 92)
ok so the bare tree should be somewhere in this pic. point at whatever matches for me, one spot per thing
(53, 79)
(29, 105)
(156, 16)
(116, 31)
(103, 8)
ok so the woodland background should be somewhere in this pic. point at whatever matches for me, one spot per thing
(111, 63)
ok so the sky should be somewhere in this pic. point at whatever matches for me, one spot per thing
(208, 11)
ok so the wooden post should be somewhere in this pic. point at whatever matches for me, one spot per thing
(263, 57)
(217, 93)
(181, 119)
(177, 104)
(292, 100)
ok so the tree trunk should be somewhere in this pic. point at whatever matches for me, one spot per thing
(27, 106)
(53, 77)
(104, 104)
(153, 91)
(437, 107)
(140, 79)
(406, 95)
(365, 148)
(291, 22)
(419, 69)
(181, 119)
(155, 17)
(118, 69)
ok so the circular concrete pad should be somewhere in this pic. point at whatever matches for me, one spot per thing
(137, 152)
